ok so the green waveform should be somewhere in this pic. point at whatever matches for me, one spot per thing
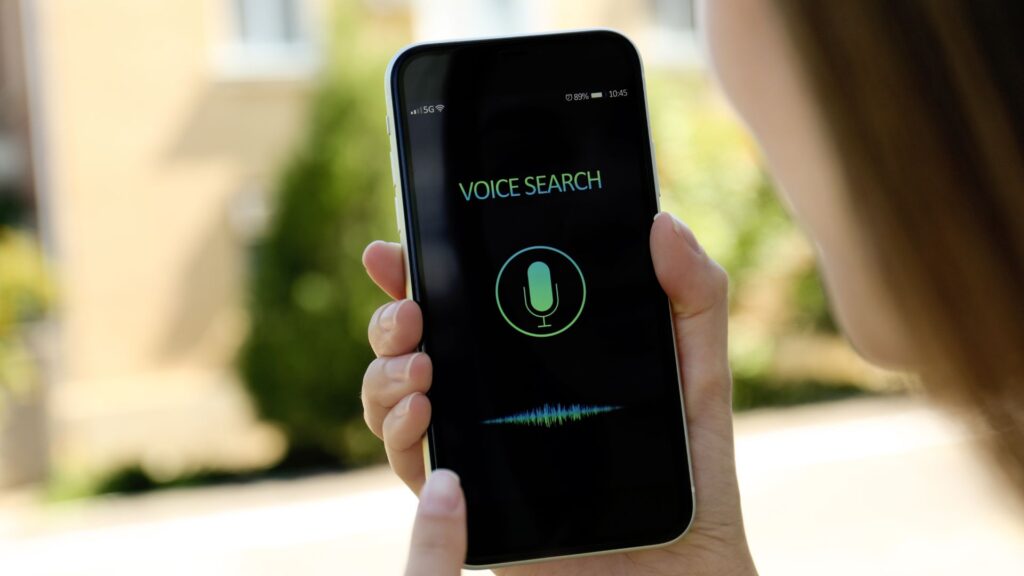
(550, 416)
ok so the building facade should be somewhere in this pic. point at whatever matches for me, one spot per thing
(152, 133)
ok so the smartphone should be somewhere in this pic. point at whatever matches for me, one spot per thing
(525, 190)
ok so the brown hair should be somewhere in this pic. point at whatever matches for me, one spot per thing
(925, 104)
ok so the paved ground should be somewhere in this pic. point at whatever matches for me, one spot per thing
(879, 486)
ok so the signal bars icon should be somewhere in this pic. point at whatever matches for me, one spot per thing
(430, 109)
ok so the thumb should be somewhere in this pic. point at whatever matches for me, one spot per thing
(438, 545)
(698, 290)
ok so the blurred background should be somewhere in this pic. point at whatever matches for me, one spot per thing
(186, 188)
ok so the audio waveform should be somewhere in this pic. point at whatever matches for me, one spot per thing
(550, 416)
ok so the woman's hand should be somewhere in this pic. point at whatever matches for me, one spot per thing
(397, 411)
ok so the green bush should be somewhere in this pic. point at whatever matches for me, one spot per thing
(310, 296)
(811, 304)
(712, 176)
(26, 294)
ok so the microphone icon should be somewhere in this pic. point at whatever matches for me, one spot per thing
(542, 299)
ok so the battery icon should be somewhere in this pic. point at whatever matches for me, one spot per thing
(596, 95)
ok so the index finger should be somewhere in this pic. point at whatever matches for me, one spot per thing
(386, 267)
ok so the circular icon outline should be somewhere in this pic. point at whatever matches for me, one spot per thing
(583, 299)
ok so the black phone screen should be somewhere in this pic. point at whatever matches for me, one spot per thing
(529, 193)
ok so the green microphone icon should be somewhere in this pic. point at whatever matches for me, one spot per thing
(552, 293)
(541, 299)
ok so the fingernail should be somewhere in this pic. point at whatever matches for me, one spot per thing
(403, 407)
(365, 250)
(684, 231)
(440, 495)
(388, 316)
(397, 369)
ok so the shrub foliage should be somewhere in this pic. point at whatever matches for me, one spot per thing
(310, 297)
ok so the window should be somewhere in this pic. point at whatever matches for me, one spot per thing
(267, 22)
(267, 39)
(675, 15)
(11, 162)
(434, 20)
(675, 32)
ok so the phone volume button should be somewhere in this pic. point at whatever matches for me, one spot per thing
(399, 216)
(394, 167)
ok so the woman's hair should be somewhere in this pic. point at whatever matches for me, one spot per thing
(924, 101)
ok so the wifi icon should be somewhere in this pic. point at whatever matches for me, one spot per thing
(440, 107)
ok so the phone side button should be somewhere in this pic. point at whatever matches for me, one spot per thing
(387, 124)
(394, 168)
(399, 216)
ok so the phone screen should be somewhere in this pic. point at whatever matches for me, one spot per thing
(529, 193)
